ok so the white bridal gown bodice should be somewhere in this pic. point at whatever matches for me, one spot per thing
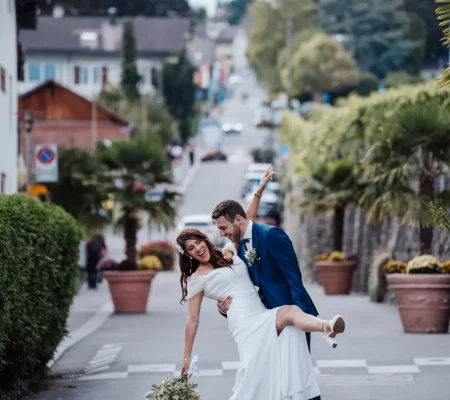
(272, 367)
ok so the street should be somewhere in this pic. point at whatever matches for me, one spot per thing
(374, 359)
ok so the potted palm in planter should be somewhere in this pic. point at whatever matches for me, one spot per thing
(165, 251)
(422, 293)
(334, 186)
(136, 168)
(130, 283)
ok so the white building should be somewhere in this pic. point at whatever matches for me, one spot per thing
(8, 97)
(83, 53)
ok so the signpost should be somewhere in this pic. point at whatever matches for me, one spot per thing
(46, 159)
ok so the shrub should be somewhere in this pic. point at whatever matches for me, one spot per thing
(425, 264)
(337, 256)
(367, 84)
(150, 262)
(165, 251)
(263, 155)
(39, 254)
(107, 264)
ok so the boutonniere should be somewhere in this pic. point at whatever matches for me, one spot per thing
(251, 256)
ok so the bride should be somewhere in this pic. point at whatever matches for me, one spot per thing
(275, 363)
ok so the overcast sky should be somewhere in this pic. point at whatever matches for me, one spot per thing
(210, 5)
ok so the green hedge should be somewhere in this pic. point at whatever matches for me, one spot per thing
(39, 254)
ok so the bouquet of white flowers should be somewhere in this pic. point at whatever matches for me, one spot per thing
(174, 389)
(177, 388)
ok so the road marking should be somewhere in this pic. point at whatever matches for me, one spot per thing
(365, 380)
(108, 375)
(103, 358)
(432, 361)
(151, 368)
(341, 363)
(394, 369)
(230, 365)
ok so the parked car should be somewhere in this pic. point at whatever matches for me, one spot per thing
(259, 168)
(203, 222)
(251, 179)
(232, 128)
(215, 155)
(269, 209)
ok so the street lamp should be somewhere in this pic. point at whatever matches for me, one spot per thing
(28, 119)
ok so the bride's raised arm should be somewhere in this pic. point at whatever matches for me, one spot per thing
(252, 208)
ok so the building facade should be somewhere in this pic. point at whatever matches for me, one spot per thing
(8, 97)
(86, 52)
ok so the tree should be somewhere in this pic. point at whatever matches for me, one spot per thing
(135, 168)
(236, 9)
(267, 34)
(130, 77)
(375, 32)
(322, 65)
(417, 33)
(334, 185)
(444, 18)
(180, 93)
(410, 152)
(80, 189)
(367, 84)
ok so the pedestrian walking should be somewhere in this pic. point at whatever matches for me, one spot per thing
(95, 248)
(191, 151)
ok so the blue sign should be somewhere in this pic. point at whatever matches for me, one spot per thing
(284, 149)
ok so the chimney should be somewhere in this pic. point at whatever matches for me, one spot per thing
(112, 15)
(58, 11)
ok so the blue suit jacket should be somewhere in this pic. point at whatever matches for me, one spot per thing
(277, 273)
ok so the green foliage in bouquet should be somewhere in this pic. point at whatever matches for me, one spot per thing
(174, 389)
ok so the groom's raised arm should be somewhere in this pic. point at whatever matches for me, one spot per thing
(282, 250)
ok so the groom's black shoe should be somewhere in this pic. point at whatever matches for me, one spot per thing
(316, 398)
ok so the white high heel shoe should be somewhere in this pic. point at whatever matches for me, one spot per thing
(337, 325)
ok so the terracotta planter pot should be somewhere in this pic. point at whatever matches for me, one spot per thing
(336, 276)
(129, 289)
(423, 301)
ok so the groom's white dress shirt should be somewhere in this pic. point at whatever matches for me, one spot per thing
(248, 235)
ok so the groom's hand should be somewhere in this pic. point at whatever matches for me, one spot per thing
(224, 304)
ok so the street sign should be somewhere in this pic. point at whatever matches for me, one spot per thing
(46, 160)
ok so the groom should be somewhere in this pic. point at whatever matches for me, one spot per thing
(273, 265)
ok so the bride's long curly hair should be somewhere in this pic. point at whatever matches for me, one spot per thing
(188, 266)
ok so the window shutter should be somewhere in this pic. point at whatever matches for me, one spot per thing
(76, 75)
(104, 75)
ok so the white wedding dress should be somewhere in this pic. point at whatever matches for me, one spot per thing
(272, 367)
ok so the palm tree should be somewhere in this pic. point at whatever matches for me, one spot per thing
(440, 216)
(410, 153)
(136, 169)
(444, 16)
(80, 190)
(334, 186)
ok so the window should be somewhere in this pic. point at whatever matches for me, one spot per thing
(84, 75)
(2, 80)
(49, 71)
(104, 75)
(34, 72)
(76, 75)
(96, 76)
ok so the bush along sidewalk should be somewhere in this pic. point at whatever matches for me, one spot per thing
(39, 254)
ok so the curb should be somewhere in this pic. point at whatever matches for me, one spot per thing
(88, 328)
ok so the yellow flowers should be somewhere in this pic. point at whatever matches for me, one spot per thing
(333, 256)
(336, 256)
(150, 262)
(423, 264)
(445, 267)
(395, 267)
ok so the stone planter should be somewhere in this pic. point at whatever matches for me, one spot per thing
(423, 301)
(129, 289)
(336, 276)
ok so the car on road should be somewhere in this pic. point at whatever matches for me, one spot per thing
(232, 128)
(251, 179)
(203, 222)
(259, 168)
(268, 210)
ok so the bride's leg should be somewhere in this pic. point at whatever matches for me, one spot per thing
(293, 315)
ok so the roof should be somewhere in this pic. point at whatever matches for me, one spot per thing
(227, 35)
(154, 36)
(102, 113)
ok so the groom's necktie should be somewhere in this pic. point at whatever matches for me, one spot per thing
(243, 242)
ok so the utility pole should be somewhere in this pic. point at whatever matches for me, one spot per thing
(144, 115)
(289, 32)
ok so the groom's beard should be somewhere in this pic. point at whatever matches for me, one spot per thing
(236, 235)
